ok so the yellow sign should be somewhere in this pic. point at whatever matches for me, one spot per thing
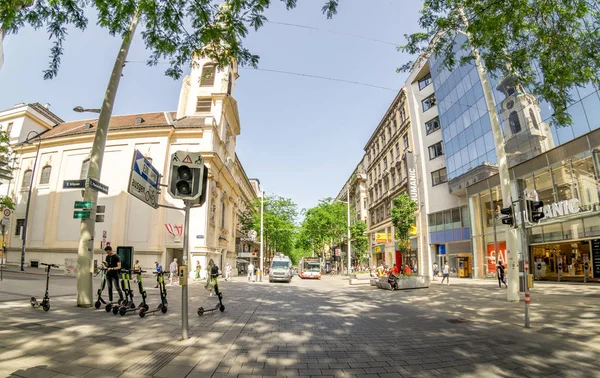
(377, 249)
(413, 230)
(382, 238)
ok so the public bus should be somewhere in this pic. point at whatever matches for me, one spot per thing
(309, 267)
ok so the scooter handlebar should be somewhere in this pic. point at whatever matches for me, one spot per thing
(50, 265)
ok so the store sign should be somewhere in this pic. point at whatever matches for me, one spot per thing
(412, 177)
(561, 208)
(377, 249)
(413, 230)
(383, 238)
(492, 253)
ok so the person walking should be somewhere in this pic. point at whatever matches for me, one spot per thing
(250, 272)
(198, 269)
(159, 269)
(173, 270)
(138, 268)
(227, 272)
(436, 271)
(113, 266)
(446, 272)
(500, 274)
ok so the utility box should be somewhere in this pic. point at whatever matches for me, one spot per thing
(183, 276)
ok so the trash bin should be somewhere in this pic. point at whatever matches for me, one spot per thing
(530, 280)
(258, 275)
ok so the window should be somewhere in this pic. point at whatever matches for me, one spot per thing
(207, 79)
(45, 176)
(391, 156)
(26, 179)
(515, 124)
(394, 125)
(428, 103)
(383, 138)
(85, 166)
(222, 214)
(436, 150)
(384, 163)
(398, 149)
(402, 116)
(438, 177)
(393, 179)
(405, 138)
(432, 125)
(203, 105)
(20, 224)
(229, 84)
(364, 203)
(9, 128)
(424, 82)
(533, 119)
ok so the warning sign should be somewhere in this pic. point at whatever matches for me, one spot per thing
(187, 159)
(193, 159)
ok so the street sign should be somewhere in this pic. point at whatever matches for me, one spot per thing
(144, 180)
(531, 194)
(6, 212)
(81, 215)
(74, 184)
(98, 186)
(83, 205)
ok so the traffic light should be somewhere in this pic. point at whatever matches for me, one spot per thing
(508, 219)
(186, 176)
(533, 211)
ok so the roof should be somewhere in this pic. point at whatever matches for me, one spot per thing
(124, 122)
(46, 112)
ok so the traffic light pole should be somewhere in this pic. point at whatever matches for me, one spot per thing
(524, 250)
(184, 288)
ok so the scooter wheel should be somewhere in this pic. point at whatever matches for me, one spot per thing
(122, 311)
(97, 305)
(146, 307)
(46, 306)
(164, 309)
(142, 313)
(200, 311)
(33, 301)
(222, 308)
(108, 307)
(115, 310)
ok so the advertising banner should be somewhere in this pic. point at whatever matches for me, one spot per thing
(491, 255)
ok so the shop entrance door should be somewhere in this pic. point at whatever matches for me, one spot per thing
(464, 266)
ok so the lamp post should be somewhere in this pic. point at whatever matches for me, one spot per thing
(347, 202)
(24, 234)
(262, 209)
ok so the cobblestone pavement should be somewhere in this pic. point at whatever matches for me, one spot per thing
(307, 328)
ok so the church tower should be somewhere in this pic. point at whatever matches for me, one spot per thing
(525, 134)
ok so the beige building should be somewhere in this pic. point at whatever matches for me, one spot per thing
(206, 121)
(386, 157)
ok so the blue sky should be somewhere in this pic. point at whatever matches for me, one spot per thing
(302, 137)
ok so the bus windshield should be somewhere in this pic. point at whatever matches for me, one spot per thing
(313, 267)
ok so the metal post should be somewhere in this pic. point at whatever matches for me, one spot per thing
(184, 288)
(349, 244)
(85, 253)
(24, 235)
(262, 209)
(585, 268)
(3, 253)
(524, 250)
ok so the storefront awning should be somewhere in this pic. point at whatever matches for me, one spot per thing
(241, 261)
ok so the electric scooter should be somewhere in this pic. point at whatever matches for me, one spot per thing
(214, 273)
(127, 292)
(45, 303)
(102, 273)
(164, 305)
(123, 310)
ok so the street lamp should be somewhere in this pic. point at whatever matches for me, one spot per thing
(24, 234)
(81, 109)
(347, 202)
(262, 209)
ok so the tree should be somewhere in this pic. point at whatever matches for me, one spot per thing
(549, 46)
(6, 157)
(360, 242)
(176, 30)
(403, 219)
(279, 223)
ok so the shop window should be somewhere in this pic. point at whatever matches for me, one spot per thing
(553, 232)
(573, 229)
(592, 226)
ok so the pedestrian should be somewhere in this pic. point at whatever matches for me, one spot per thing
(113, 266)
(250, 272)
(500, 274)
(446, 272)
(407, 270)
(138, 269)
(395, 270)
(436, 271)
(198, 269)
(227, 272)
(159, 269)
(173, 270)
(415, 268)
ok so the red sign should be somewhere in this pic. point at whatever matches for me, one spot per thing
(491, 256)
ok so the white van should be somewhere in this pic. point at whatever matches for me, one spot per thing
(281, 269)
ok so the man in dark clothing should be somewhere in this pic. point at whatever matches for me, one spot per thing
(500, 273)
(113, 264)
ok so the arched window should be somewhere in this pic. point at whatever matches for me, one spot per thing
(533, 120)
(515, 124)
(207, 79)
(45, 176)
(26, 179)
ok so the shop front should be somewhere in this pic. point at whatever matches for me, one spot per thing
(565, 244)
(378, 255)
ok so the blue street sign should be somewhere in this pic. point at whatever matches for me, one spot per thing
(144, 168)
(74, 184)
(442, 249)
(97, 185)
